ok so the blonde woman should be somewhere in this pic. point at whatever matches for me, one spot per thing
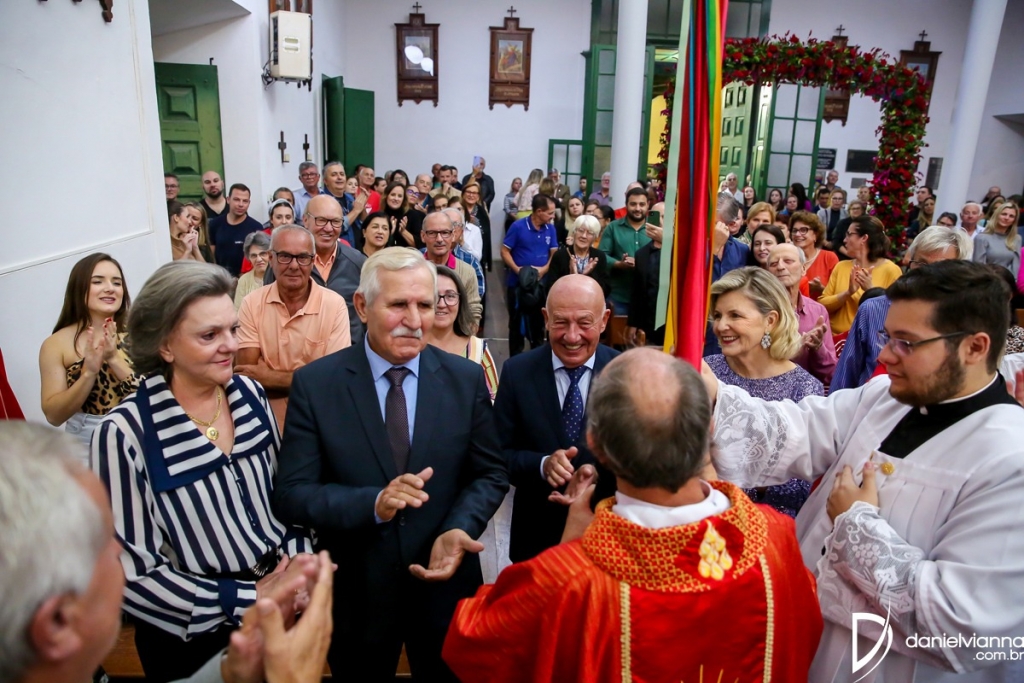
(755, 324)
(999, 244)
(524, 200)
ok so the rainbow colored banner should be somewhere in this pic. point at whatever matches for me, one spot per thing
(691, 194)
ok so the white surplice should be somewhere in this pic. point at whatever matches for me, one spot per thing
(944, 553)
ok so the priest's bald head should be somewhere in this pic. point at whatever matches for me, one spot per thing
(649, 421)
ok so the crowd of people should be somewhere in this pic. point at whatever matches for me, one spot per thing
(319, 386)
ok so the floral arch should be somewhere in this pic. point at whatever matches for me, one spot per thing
(902, 92)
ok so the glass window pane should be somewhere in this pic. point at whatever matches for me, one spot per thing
(675, 16)
(575, 159)
(778, 170)
(558, 153)
(754, 29)
(605, 92)
(737, 19)
(800, 171)
(602, 161)
(603, 128)
(606, 62)
(782, 136)
(803, 141)
(785, 99)
(657, 13)
(809, 98)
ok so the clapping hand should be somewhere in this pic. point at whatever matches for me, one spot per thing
(720, 237)
(446, 555)
(815, 288)
(812, 338)
(403, 491)
(96, 351)
(863, 276)
(1016, 388)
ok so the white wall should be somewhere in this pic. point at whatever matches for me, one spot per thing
(81, 152)
(893, 26)
(513, 141)
(253, 117)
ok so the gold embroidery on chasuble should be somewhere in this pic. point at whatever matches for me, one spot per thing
(670, 560)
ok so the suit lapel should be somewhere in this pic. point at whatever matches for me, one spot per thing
(429, 395)
(547, 392)
(364, 397)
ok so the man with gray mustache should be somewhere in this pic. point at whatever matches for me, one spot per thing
(391, 453)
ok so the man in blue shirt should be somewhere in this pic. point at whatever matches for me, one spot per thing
(530, 241)
(228, 231)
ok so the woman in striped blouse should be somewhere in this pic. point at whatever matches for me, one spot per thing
(189, 461)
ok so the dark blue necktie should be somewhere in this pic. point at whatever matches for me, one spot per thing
(572, 408)
(396, 418)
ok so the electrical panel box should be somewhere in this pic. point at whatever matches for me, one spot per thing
(291, 46)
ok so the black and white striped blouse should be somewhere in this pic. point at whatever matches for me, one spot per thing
(182, 510)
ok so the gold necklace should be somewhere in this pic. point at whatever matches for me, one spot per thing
(211, 432)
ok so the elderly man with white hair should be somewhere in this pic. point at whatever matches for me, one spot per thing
(817, 349)
(860, 355)
(391, 453)
(63, 583)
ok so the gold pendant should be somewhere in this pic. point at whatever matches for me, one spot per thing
(212, 433)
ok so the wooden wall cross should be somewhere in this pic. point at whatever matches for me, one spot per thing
(282, 146)
(305, 146)
(108, 9)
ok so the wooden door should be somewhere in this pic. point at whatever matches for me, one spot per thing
(188, 101)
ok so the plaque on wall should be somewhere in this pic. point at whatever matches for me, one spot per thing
(510, 63)
(922, 60)
(861, 160)
(837, 102)
(417, 59)
(934, 172)
(826, 159)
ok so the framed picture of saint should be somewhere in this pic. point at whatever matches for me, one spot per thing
(510, 64)
(417, 60)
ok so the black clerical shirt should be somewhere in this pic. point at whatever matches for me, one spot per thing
(921, 424)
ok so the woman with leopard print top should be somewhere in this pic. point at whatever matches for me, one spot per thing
(84, 370)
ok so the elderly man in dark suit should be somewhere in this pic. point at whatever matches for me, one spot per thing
(540, 409)
(336, 265)
(390, 452)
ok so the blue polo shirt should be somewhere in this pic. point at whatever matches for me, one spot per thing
(529, 245)
(228, 240)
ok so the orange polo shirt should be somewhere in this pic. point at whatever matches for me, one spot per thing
(287, 342)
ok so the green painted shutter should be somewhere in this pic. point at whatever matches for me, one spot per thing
(188, 104)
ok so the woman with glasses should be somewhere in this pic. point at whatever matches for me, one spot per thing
(758, 331)
(808, 233)
(476, 213)
(580, 255)
(257, 252)
(866, 245)
(189, 463)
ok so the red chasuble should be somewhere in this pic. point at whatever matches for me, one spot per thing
(721, 600)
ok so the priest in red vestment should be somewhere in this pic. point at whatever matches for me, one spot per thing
(675, 579)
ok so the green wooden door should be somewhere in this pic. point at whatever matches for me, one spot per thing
(188, 102)
(792, 137)
(759, 148)
(348, 124)
(567, 157)
(737, 109)
(598, 106)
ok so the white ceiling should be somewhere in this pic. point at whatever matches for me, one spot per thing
(168, 16)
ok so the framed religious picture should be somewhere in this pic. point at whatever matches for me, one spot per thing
(416, 59)
(510, 64)
(922, 60)
(837, 100)
(291, 6)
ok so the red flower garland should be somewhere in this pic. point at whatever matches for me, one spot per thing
(901, 90)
